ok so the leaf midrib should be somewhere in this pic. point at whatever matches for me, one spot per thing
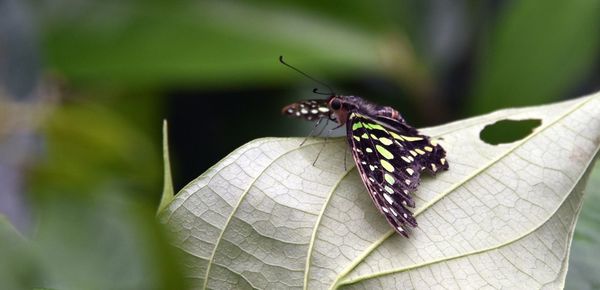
(316, 227)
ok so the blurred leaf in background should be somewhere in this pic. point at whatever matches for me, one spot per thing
(583, 261)
(105, 242)
(207, 43)
(19, 268)
(537, 51)
(90, 146)
(108, 241)
(93, 197)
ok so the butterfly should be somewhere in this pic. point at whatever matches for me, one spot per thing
(390, 155)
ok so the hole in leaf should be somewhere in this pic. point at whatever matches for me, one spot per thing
(508, 131)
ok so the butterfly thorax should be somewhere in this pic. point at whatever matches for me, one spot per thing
(353, 104)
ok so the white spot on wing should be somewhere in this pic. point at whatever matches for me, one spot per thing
(388, 198)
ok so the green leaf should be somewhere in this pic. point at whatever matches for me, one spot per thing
(108, 241)
(537, 51)
(583, 262)
(152, 42)
(503, 215)
(18, 264)
(168, 192)
(88, 147)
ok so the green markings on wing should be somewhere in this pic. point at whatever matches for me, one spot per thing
(384, 152)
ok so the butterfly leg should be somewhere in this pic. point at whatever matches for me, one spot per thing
(321, 150)
(313, 130)
(323, 129)
(345, 155)
(325, 142)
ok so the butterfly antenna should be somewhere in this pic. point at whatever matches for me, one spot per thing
(306, 75)
(316, 91)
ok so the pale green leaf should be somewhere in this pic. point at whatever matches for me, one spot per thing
(502, 216)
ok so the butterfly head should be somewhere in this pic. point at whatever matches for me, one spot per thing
(340, 107)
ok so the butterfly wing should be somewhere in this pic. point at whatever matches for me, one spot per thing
(389, 161)
(428, 153)
(388, 177)
(309, 110)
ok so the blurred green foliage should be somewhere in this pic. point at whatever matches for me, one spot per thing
(206, 43)
(538, 51)
(19, 268)
(89, 146)
(103, 242)
(123, 66)
(108, 241)
(583, 262)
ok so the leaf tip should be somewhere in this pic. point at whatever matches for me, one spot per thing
(168, 192)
